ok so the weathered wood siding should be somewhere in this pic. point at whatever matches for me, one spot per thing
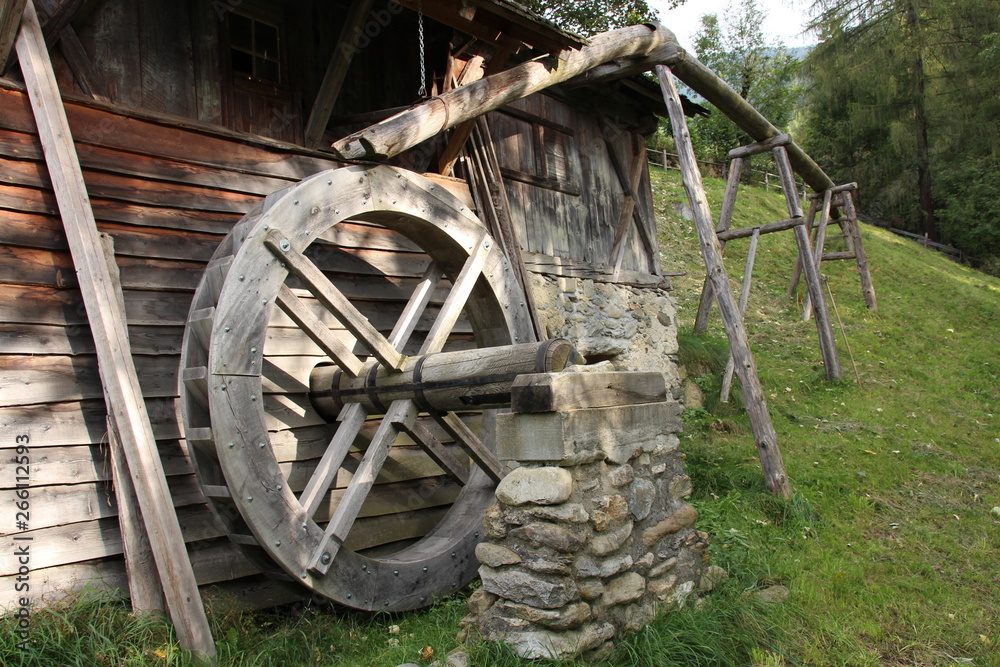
(167, 195)
(169, 56)
(565, 196)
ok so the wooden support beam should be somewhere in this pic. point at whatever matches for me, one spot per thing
(797, 269)
(78, 60)
(775, 478)
(768, 228)
(145, 589)
(837, 189)
(117, 369)
(10, 20)
(318, 332)
(437, 451)
(470, 442)
(727, 377)
(827, 343)
(487, 180)
(819, 242)
(333, 299)
(867, 286)
(336, 72)
(400, 413)
(56, 17)
(630, 181)
(760, 147)
(725, 219)
(473, 72)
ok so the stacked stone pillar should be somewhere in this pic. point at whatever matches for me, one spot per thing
(590, 535)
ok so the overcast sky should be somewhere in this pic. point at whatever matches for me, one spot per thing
(784, 19)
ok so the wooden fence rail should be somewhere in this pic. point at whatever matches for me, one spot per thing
(947, 250)
(659, 157)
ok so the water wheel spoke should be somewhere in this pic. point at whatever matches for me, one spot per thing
(400, 413)
(333, 299)
(471, 443)
(415, 307)
(437, 451)
(318, 332)
(457, 298)
(351, 419)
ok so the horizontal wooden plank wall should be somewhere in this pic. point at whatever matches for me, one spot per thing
(168, 194)
(564, 193)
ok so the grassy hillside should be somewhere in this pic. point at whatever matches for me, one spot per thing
(889, 549)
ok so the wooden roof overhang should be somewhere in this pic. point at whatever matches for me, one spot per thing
(502, 23)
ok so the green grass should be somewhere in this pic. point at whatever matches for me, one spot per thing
(888, 547)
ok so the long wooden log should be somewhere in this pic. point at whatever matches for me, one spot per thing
(765, 436)
(408, 128)
(715, 90)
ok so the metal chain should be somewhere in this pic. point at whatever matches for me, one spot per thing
(420, 31)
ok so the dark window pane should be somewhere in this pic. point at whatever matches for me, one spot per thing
(242, 62)
(240, 31)
(265, 40)
(268, 69)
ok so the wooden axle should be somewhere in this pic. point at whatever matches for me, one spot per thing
(443, 382)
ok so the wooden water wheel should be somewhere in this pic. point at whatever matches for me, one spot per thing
(294, 493)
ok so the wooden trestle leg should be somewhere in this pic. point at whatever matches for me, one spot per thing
(765, 437)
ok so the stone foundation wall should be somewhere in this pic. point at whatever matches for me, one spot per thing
(633, 327)
(590, 534)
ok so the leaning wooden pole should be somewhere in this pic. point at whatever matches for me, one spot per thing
(746, 369)
(117, 369)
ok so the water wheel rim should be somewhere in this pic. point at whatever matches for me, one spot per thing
(430, 216)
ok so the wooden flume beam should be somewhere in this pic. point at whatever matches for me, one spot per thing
(611, 55)
(423, 121)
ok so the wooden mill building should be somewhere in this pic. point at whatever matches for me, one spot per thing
(186, 115)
